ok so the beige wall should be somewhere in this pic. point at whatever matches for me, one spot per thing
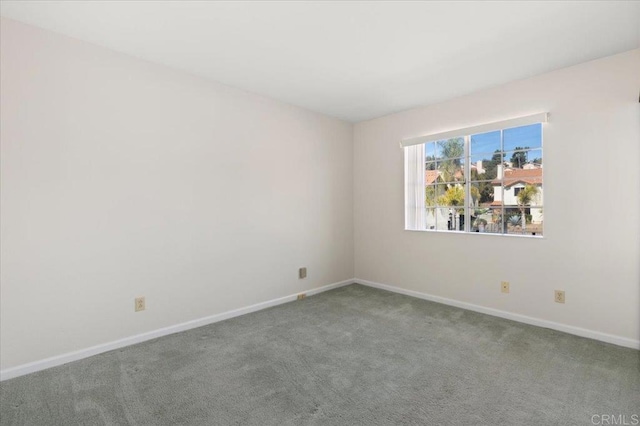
(123, 178)
(591, 244)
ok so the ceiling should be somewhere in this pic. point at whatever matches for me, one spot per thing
(351, 60)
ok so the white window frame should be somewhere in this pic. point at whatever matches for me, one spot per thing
(415, 209)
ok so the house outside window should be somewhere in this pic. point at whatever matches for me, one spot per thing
(479, 182)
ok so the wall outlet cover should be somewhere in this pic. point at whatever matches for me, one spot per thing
(139, 304)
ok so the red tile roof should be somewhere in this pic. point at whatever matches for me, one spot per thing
(525, 176)
(430, 176)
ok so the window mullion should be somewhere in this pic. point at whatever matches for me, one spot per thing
(467, 183)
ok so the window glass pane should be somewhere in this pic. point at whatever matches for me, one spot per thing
(512, 221)
(523, 196)
(535, 220)
(524, 137)
(486, 220)
(524, 221)
(430, 165)
(450, 148)
(450, 195)
(451, 170)
(441, 189)
(430, 195)
(431, 218)
(484, 143)
(496, 223)
(522, 187)
(449, 218)
(535, 157)
(483, 194)
(459, 218)
(527, 159)
(441, 218)
(484, 166)
(430, 151)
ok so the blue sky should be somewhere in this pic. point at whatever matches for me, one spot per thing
(483, 145)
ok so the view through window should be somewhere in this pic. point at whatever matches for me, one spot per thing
(487, 182)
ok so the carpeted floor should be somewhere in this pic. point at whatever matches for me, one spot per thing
(351, 356)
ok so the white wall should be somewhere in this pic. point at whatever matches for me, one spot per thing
(592, 174)
(122, 178)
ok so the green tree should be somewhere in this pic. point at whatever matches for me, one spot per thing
(482, 185)
(519, 158)
(430, 162)
(491, 166)
(454, 196)
(430, 195)
(452, 150)
(525, 197)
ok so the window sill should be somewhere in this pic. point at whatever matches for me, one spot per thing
(536, 237)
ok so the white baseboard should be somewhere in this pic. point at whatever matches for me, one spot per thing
(582, 332)
(32, 367)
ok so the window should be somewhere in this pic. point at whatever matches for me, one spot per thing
(485, 179)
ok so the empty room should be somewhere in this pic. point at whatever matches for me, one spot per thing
(319, 213)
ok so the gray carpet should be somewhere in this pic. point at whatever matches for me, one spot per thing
(351, 356)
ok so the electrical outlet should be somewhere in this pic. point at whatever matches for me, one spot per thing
(139, 304)
(504, 286)
(301, 296)
(559, 296)
(302, 273)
